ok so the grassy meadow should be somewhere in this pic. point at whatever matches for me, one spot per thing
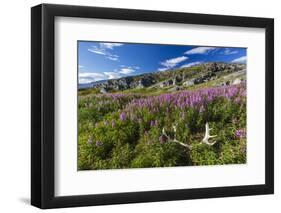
(148, 127)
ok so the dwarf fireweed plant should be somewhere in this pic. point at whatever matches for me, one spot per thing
(121, 130)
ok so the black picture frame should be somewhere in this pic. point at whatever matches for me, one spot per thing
(43, 102)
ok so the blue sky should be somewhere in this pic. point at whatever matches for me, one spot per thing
(105, 60)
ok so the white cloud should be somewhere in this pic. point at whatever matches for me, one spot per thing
(133, 67)
(112, 75)
(96, 50)
(191, 64)
(112, 58)
(200, 50)
(240, 59)
(80, 66)
(126, 70)
(162, 69)
(228, 51)
(88, 77)
(106, 49)
(170, 63)
(110, 45)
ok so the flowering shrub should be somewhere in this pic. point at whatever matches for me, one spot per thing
(125, 130)
(240, 133)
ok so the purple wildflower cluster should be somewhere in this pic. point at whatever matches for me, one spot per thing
(118, 96)
(122, 116)
(240, 133)
(184, 99)
(153, 123)
(109, 100)
(90, 142)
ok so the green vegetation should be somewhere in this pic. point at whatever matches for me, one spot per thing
(125, 129)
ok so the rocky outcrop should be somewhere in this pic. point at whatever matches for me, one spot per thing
(236, 81)
(189, 82)
(173, 78)
(174, 89)
(166, 83)
(103, 90)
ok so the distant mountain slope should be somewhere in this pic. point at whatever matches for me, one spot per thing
(180, 77)
(91, 85)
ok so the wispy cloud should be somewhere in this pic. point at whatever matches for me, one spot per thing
(113, 57)
(162, 69)
(110, 45)
(228, 51)
(96, 50)
(200, 50)
(126, 70)
(242, 59)
(171, 63)
(112, 75)
(191, 64)
(106, 50)
(81, 66)
(88, 77)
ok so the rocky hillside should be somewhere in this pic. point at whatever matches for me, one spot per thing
(216, 73)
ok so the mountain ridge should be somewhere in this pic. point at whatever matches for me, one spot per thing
(188, 76)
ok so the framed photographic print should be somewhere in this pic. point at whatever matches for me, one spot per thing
(140, 106)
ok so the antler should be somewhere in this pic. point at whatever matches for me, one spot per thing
(205, 139)
(208, 136)
(174, 140)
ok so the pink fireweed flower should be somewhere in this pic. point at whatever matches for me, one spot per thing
(122, 116)
(184, 99)
(240, 133)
